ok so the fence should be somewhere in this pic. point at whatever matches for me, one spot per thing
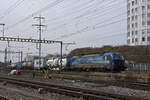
(138, 67)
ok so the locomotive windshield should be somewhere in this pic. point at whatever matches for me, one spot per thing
(118, 57)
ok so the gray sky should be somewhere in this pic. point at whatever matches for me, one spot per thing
(88, 23)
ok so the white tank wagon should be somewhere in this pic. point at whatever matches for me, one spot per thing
(27, 65)
(56, 63)
(64, 62)
(50, 62)
(13, 65)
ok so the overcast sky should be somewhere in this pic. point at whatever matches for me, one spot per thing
(88, 23)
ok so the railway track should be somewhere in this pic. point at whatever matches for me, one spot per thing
(86, 94)
(4, 98)
(118, 83)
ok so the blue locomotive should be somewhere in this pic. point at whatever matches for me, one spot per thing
(107, 61)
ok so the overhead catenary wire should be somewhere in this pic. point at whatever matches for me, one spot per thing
(64, 36)
(39, 11)
(22, 20)
(91, 26)
(100, 22)
(124, 13)
(11, 8)
(105, 37)
(56, 2)
(81, 10)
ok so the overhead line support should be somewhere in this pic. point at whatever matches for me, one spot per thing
(3, 28)
(40, 32)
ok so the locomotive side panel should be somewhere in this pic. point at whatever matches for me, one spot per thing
(90, 62)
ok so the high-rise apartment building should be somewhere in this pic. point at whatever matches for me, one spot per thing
(138, 22)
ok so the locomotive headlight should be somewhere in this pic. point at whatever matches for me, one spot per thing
(113, 63)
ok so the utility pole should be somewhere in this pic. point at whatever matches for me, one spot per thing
(61, 44)
(5, 58)
(21, 55)
(61, 48)
(9, 54)
(40, 32)
(2, 24)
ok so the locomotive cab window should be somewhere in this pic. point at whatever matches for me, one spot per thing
(107, 58)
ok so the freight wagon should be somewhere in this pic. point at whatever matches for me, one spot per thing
(42, 63)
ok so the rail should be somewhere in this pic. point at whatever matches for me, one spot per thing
(4, 98)
(118, 83)
(71, 91)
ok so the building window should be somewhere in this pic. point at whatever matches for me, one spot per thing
(148, 38)
(128, 19)
(143, 39)
(136, 32)
(128, 6)
(148, 14)
(132, 40)
(136, 39)
(143, 7)
(148, 31)
(132, 18)
(132, 25)
(132, 33)
(136, 17)
(132, 11)
(132, 3)
(136, 25)
(136, 10)
(136, 2)
(143, 23)
(143, 16)
(143, 0)
(143, 31)
(128, 41)
(148, 22)
(37, 63)
(148, 6)
(128, 12)
(128, 34)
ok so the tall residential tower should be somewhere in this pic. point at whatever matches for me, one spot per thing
(138, 22)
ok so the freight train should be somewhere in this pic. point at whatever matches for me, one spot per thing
(107, 61)
(96, 62)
